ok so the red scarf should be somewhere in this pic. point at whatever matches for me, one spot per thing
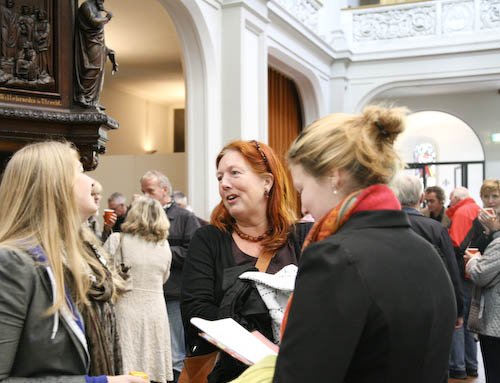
(375, 197)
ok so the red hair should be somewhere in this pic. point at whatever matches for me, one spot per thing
(281, 203)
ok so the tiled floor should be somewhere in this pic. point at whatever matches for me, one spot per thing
(480, 379)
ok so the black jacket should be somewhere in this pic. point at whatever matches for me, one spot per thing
(210, 254)
(372, 303)
(434, 232)
(243, 303)
(183, 224)
(26, 347)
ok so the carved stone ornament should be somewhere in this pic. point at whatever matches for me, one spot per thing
(458, 17)
(306, 11)
(490, 14)
(26, 54)
(395, 23)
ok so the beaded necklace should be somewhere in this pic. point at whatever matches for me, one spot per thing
(249, 237)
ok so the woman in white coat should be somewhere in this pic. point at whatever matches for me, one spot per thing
(142, 250)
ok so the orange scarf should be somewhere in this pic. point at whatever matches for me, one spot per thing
(375, 197)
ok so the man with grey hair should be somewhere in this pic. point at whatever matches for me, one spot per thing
(409, 190)
(181, 199)
(183, 224)
(118, 203)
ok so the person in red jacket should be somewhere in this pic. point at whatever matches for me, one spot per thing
(462, 212)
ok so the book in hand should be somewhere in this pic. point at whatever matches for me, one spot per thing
(231, 337)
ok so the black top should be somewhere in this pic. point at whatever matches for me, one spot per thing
(210, 253)
(477, 237)
(284, 256)
(434, 232)
(372, 303)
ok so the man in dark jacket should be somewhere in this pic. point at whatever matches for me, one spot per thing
(434, 198)
(408, 189)
(183, 224)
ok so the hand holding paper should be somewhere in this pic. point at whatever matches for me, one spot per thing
(234, 339)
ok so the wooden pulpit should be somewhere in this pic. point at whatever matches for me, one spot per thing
(39, 80)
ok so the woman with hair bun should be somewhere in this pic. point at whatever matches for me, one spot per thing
(372, 300)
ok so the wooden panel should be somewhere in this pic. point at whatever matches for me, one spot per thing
(285, 116)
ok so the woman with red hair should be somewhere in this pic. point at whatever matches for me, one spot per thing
(252, 227)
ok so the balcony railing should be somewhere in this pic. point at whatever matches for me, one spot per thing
(426, 19)
(305, 11)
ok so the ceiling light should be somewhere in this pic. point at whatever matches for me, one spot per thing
(495, 137)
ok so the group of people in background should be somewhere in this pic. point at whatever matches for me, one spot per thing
(381, 292)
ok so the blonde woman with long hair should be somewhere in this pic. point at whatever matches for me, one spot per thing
(44, 269)
(143, 249)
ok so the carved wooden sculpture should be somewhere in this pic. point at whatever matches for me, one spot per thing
(91, 52)
(38, 81)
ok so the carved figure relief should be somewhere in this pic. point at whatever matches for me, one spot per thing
(25, 45)
(91, 53)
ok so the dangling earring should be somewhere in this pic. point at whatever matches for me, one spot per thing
(266, 194)
(333, 181)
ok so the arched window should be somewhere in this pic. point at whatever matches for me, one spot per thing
(426, 153)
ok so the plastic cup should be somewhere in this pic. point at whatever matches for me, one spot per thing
(472, 250)
(490, 211)
(108, 213)
(140, 374)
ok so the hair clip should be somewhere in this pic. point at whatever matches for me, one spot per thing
(382, 129)
(262, 154)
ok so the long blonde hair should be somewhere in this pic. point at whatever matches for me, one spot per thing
(38, 207)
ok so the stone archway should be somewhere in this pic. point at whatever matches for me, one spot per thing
(455, 146)
(202, 107)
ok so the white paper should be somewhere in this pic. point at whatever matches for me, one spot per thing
(235, 337)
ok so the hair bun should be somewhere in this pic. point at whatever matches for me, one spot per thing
(386, 123)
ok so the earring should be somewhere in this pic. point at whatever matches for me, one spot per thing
(266, 194)
(333, 181)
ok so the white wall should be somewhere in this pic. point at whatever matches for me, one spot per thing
(479, 110)
(144, 124)
(122, 173)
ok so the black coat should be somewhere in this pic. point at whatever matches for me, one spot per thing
(437, 235)
(183, 225)
(372, 303)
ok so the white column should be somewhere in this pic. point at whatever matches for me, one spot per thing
(244, 70)
(339, 87)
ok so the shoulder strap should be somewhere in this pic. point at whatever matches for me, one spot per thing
(263, 261)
